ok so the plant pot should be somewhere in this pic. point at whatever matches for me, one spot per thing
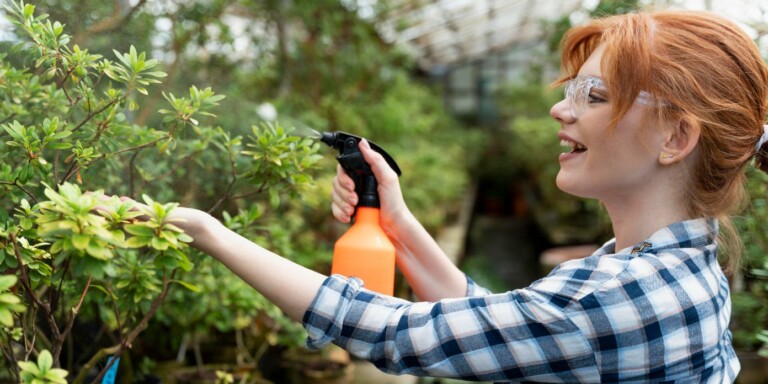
(207, 374)
(330, 366)
(754, 368)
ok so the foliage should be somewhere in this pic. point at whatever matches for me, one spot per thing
(108, 117)
(750, 299)
(83, 257)
(10, 304)
(42, 372)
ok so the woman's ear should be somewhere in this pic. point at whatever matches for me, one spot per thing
(679, 142)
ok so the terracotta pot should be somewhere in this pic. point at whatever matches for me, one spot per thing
(331, 366)
(754, 368)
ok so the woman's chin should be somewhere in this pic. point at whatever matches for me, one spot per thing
(570, 185)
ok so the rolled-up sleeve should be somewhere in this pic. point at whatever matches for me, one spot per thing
(511, 336)
(475, 290)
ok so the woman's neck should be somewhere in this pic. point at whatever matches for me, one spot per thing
(635, 218)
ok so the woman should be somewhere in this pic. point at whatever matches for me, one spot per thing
(662, 111)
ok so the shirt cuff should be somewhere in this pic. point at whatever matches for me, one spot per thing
(324, 317)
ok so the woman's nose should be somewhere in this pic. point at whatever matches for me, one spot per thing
(561, 111)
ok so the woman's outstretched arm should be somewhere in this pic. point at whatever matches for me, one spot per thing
(290, 286)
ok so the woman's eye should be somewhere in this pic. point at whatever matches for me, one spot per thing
(596, 98)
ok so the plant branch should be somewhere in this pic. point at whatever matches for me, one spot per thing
(95, 360)
(115, 21)
(128, 340)
(25, 283)
(225, 197)
(259, 190)
(75, 310)
(63, 85)
(115, 308)
(91, 114)
(25, 277)
(56, 158)
(74, 168)
(10, 357)
(7, 119)
(29, 345)
(16, 184)
(57, 295)
(131, 166)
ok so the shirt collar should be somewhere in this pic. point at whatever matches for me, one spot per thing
(693, 233)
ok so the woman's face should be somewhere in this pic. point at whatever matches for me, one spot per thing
(600, 164)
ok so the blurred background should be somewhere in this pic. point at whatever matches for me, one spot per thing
(455, 90)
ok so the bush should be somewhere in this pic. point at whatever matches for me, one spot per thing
(74, 120)
(79, 259)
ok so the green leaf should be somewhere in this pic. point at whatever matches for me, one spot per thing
(81, 241)
(159, 244)
(29, 366)
(140, 230)
(45, 360)
(6, 317)
(7, 281)
(138, 242)
(8, 298)
(191, 287)
(98, 251)
(57, 376)
(102, 289)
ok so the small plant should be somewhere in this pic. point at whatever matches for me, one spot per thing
(42, 372)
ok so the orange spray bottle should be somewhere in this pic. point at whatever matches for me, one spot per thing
(364, 251)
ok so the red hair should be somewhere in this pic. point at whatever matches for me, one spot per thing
(712, 77)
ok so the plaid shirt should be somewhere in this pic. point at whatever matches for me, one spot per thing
(658, 311)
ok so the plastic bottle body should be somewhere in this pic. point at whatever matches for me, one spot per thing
(365, 252)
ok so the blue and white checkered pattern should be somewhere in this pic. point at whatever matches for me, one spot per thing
(655, 312)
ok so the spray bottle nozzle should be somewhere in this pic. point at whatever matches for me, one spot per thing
(351, 159)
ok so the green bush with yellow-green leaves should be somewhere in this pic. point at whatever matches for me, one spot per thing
(84, 280)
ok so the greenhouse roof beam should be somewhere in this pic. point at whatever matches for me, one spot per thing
(450, 32)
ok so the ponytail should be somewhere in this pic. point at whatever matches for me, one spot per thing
(761, 156)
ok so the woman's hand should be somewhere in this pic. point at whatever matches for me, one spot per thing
(193, 222)
(430, 273)
(393, 208)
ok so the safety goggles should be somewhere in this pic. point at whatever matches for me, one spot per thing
(579, 90)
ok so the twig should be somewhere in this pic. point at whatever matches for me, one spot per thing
(92, 114)
(55, 298)
(25, 283)
(233, 167)
(115, 21)
(62, 84)
(56, 158)
(94, 360)
(74, 311)
(7, 119)
(10, 357)
(128, 340)
(249, 194)
(131, 165)
(16, 184)
(25, 277)
(115, 308)
(29, 345)
(74, 168)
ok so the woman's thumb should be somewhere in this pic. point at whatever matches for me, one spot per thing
(380, 168)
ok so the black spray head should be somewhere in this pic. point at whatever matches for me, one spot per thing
(351, 159)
